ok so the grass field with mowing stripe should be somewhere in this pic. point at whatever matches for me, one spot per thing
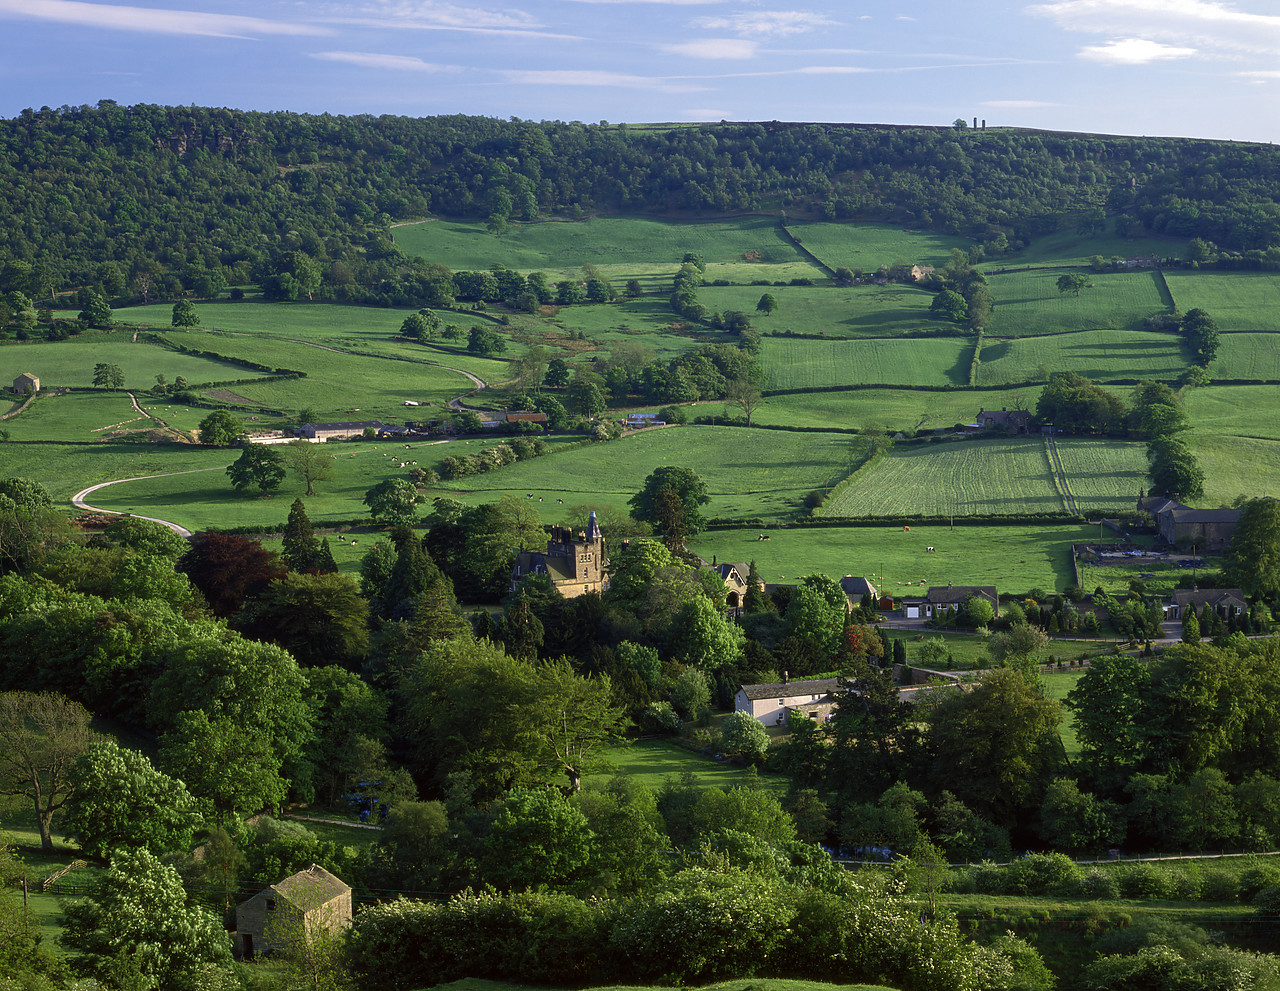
(747, 472)
(1236, 300)
(858, 311)
(1245, 410)
(1104, 476)
(71, 362)
(1095, 354)
(798, 363)
(1008, 475)
(1014, 559)
(1029, 303)
(1235, 466)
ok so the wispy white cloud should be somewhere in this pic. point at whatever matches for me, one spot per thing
(1017, 104)
(587, 77)
(714, 48)
(428, 15)
(1261, 74)
(666, 3)
(153, 20)
(1134, 51)
(765, 23)
(831, 70)
(1213, 28)
(378, 60)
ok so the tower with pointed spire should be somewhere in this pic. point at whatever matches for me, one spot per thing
(575, 563)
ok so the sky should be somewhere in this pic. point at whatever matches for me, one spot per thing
(1195, 68)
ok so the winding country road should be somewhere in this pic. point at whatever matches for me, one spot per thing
(78, 500)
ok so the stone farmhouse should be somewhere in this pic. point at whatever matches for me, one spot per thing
(1226, 602)
(769, 704)
(1011, 421)
(26, 382)
(1205, 529)
(575, 565)
(310, 902)
(938, 599)
(855, 588)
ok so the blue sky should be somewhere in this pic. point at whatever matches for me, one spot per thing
(1198, 68)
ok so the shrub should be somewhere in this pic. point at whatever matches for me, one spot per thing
(1261, 875)
(1144, 881)
(1218, 886)
(1267, 902)
(1099, 884)
(988, 878)
(1042, 873)
(1184, 886)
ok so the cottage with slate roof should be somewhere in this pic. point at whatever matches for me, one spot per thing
(575, 566)
(770, 703)
(939, 599)
(308, 903)
(1226, 602)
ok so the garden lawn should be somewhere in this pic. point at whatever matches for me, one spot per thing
(1101, 355)
(748, 473)
(70, 363)
(1105, 476)
(895, 409)
(652, 762)
(1237, 301)
(1247, 356)
(1028, 303)
(620, 247)
(868, 246)
(1014, 559)
(798, 363)
(999, 476)
(856, 311)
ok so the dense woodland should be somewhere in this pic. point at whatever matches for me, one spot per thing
(162, 201)
(473, 721)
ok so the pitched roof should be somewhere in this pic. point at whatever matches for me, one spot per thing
(361, 424)
(1184, 514)
(958, 593)
(1184, 597)
(310, 888)
(857, 587)
(791, 689)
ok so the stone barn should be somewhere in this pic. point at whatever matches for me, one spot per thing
(26, 382)
(310, 902)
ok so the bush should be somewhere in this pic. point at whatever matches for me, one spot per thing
(1099, 884)
(1218, 886)
(1042, 873)
(1184, 886)
(1145, 881)
(1261, 875)
(988, 878)
(1267, 902)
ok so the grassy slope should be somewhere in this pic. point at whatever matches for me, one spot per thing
(857, 311)
(71, 362)
(1096, 354)
(1014, 559)
(894, 409)
(1029, 303)
(1237, 301)
(794, 363)
(868, 246)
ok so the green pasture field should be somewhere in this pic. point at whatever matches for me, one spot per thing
(1243, 410)
(748, 473)
(1237, 301)
(1096, 354)
(857, 311)
(74, 416)
(334, 323)
(65, 469)
(1013, 558)
(1005, 475)
(652, 762)
(800, 363)
(1235, 466)
(1070, 248)
(206, 498)
(1104, 476)
(868, 246)
(70, 362)
(895, 409)
(1028, 303)
(1247, 356)
(645, 320)
(621, 247)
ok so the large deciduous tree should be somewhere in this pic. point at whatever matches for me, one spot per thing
(41, 738)
(319, 619)
(688, 488)
(309, 462)
(139, 932)
(1174, 470)
(108, 375)
(1252, 558)
(220, 429)
(227, 568)
(257, 465)
(184, 314)
(1072, 283)
(393, 501)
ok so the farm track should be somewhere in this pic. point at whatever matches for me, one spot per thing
(1060, 475)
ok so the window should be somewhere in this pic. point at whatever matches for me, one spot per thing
(271, 904)
(782, 701)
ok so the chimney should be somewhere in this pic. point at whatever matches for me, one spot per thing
(784, 676)
(975, 123)
(984, 123)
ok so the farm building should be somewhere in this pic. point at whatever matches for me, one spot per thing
(1205, 529)
(309, 902)
(323, 431)
(1012, 421)
(1226, 602)
(938, 599)
(856, 588)
(770, 703)
(575, 565)
(26, 382)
